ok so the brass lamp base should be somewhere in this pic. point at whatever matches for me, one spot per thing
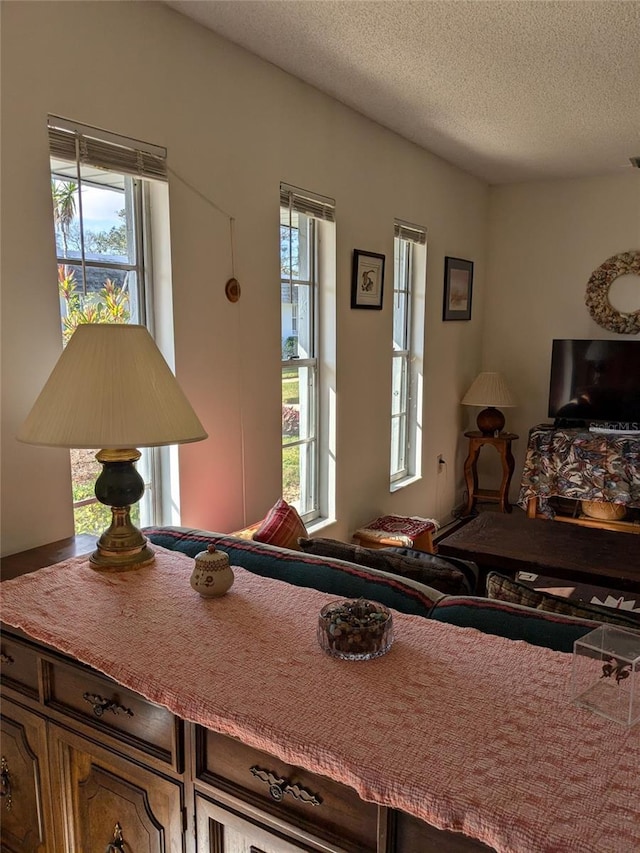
(122, 547)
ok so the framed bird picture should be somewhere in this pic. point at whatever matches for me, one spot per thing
(367, 280)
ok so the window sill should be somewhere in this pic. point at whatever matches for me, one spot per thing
(407, 481)
(319, 524)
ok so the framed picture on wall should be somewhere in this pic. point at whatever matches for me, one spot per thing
(458, 287)
(367, 280)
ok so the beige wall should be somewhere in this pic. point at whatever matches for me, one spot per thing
(545, 240)
(234, 127)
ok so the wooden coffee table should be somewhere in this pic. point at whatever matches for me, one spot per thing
(513, 543)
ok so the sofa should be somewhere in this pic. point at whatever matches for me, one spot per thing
(448, 597)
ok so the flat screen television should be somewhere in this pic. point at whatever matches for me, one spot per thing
(595, 381)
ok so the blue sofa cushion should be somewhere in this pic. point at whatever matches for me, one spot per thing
(425, 568)
(552, 630)
(336, 577)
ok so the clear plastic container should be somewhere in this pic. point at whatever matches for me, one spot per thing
(606, 673)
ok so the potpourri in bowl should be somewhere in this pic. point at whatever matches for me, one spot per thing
(355, 629)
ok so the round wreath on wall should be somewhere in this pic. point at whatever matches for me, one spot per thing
(597, 296)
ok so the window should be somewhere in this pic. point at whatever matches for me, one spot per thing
(101, 210)
(406, 370)
(306, 253)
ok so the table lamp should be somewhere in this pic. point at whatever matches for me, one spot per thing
(111, 388)
(489, 390)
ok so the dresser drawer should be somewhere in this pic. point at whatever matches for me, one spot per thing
(307, 800)
(94, 699)
(19, 664)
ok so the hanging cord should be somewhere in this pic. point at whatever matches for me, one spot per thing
(232, 223)
(232, 287)
(199, 193)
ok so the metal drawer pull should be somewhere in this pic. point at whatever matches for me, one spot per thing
(101, 705)
(5, 783)
(118, 843)
(279, 786)
(6, 658)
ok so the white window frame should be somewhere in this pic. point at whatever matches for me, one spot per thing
(81, 146)
(407, 353)
(316, 453)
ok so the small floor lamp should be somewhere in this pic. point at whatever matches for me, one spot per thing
(111, 388)
(489, 390)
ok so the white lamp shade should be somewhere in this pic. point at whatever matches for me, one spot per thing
(111, 388)
(489, 389)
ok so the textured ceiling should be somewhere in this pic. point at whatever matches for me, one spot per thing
(508, 91)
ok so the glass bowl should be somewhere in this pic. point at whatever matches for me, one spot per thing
(355, 629)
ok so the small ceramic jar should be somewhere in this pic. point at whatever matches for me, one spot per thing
(212, 576)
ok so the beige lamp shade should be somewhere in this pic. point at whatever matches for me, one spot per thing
(489, 390)
(111, 388)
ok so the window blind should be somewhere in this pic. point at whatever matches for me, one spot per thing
(104, 150)
(407, 231)
(308, 203)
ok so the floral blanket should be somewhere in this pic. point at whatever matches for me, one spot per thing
(581, 465)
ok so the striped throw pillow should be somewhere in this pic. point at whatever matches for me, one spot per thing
(282, 527)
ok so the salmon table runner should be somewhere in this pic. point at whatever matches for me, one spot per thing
(470, 732)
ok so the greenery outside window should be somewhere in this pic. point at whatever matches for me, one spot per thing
(301, 218)
(101, 223)
(406, 364)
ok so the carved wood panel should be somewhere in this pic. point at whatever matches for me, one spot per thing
(25, 815)
(107, 800)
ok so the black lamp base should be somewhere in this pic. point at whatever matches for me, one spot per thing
(122, 547)
(490, 421)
